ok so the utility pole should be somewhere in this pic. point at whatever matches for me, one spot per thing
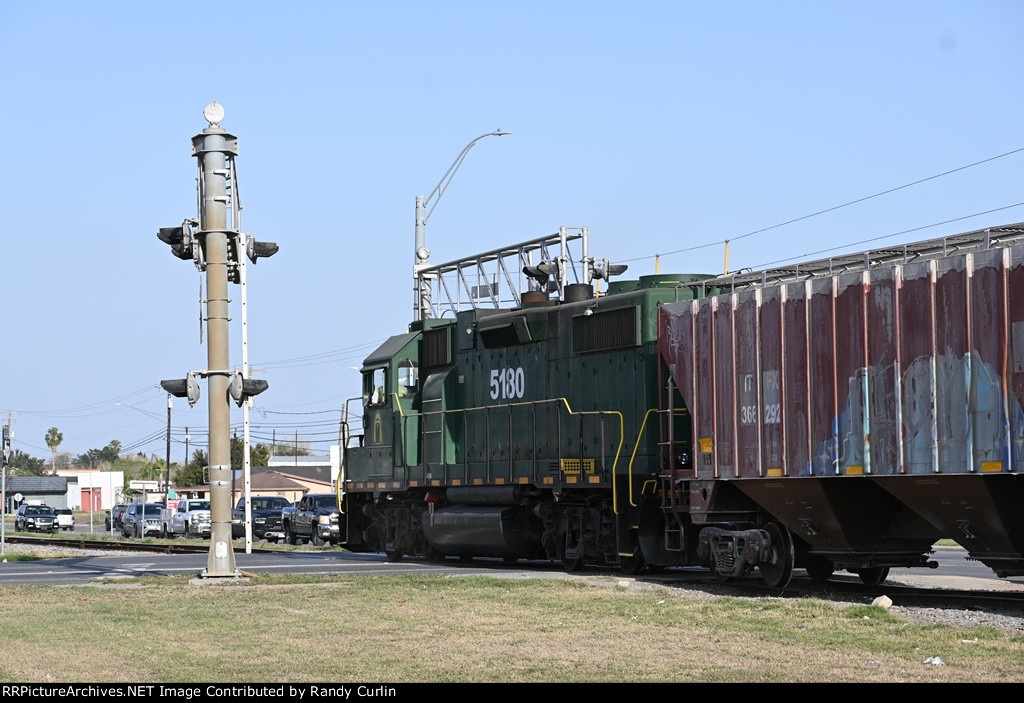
(167, 469)
(7, 434)
(216, 247)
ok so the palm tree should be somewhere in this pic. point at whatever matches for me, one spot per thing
(53, 439)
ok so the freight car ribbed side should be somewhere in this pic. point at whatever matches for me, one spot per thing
(871, 412)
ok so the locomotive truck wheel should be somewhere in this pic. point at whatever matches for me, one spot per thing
(777, 570)
(572, 564)
(819, 569)
(873, 576)
(634, 564)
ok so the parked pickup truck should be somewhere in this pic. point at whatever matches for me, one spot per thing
(189, 518)
(266, 517)
(314, 519)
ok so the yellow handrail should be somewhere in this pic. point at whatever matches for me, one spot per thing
(636, 447)
(618, 449)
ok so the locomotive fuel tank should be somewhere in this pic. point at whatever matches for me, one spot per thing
(503, 531)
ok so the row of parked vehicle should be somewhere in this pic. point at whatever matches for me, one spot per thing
(43, 518)
(186, 518)
(313, 518)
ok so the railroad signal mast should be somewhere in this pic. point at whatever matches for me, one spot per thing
(216, 244)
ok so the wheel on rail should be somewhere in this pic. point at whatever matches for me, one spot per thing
(777, 570)
(872, 576)
(718, 575)
(572, 564)
(633, 564)
(819, 569)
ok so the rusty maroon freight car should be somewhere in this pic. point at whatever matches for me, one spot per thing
(857, 409)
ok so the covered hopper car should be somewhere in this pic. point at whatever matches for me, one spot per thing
(842, 414)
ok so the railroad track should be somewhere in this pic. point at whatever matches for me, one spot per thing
(837, 589)
(116, 545)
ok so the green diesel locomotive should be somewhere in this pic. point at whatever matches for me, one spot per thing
(520, 421)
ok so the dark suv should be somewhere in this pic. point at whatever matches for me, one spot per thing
(42, 518)
(266, 517)
(141, 519)
(115, 517)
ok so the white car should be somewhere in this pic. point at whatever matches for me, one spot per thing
(65, 519)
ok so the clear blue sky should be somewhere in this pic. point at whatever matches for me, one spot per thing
(659, 125)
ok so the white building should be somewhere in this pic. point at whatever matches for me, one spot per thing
(93, 489)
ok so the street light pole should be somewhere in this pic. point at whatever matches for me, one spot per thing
(422, 304)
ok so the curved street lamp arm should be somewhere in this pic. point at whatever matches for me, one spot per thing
(446, 179)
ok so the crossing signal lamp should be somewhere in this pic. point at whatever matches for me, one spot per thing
(183, 242)
(241, 388)
(260, 250)
(186, 387)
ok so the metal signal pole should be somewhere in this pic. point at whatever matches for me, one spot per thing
(214, 148)
(217, 247)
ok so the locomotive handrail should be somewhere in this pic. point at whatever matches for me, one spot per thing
(636, 448)
(533, 403)
(344, 446)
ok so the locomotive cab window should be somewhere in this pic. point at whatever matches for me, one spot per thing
(408, 378)
(374, 387)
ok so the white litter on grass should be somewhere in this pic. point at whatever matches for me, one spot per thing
(934, 661)
(874, 662)
(882, 602)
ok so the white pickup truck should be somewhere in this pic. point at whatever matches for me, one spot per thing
(189, 518)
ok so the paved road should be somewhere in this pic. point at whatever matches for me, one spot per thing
(954, 569)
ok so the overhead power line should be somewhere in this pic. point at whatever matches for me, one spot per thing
(838, 207)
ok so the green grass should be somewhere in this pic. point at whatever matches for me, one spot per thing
(278, 628)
